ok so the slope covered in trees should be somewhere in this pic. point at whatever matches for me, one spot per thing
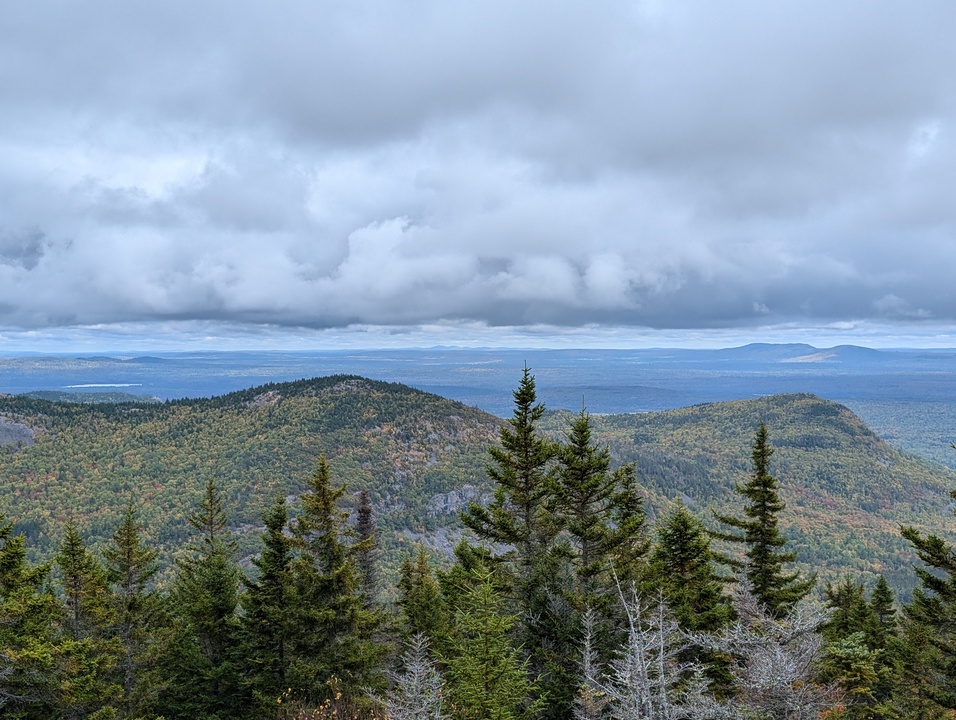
(846, 491)
(90, 461)
(421, 458)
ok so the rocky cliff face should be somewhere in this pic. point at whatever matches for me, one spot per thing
(15, 433)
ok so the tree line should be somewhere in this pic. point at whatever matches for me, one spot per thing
(563, 602)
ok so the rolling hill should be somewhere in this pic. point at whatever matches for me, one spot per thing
(422, 456)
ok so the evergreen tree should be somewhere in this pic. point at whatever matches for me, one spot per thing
(629, 541)
(585, 497)
(933, 608)
(916, 681)
(521, 519)
(488, 678)
(520, 516)
(267, 625)
(682, 567)
(882, 603)
(90, 653)
(850, 612)
(856, 651)
(367, 550)
(29, 616)
(201, 657)
(130, 566)
(89, 613)
(777, 590)
(335, 648)
(423, 612)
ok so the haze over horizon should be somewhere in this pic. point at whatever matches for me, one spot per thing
(378, 174)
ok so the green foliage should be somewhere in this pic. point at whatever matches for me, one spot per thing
(423, 612)
(91, 650)
(335, 648)
(29, 614)
(130, 565)
(520, 518)
(267, 625)
(846, 490)
(87, 461)
(933, 607)
(200, 658)
(779, 591)
(682, 567)
(488, 680)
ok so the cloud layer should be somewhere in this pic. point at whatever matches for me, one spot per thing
(685, 164)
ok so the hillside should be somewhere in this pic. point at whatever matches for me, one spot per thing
(89, 461)
(421, 456)
(847, 491)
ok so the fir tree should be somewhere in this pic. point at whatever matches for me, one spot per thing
(777, 590)
(267, 625)
(423, 612)
(367, 550)
(520, 518)
(933, 608)
(882, 603)
(91, 654)
(335, 648)
(585, 497)
(29, 616)
(856, 651)
(629, 541)
(520, 515)
(85, 587)
(201, 654)
(130, 566)
(488, 677)
(682, 566)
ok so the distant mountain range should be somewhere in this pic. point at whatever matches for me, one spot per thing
(422, 457)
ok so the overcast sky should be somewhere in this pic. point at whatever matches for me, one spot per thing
(477, 170)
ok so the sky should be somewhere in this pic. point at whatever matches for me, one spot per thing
(536, 173)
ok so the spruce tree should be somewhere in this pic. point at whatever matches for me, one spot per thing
(933, 610)
(777, 590)
(882, 603)
(682, 567)
(336, 648)
(629, 541)
(520, 523)
(267, 624)
(29, 617)
(520, 516)
(585, 497)
(130, 566)
(488, 679)
(90, 653)
(201, 653)
(367, 549)
(423, 612)
(89, 613)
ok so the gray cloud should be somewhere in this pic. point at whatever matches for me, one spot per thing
(671, 165)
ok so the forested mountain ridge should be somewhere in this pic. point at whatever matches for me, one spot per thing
(847, 491)
(90, 461)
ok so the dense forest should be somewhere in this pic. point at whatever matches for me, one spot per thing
(566, 598)
(422, 458)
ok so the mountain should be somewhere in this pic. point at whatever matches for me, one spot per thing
(422, 456)
(847, 491)
(407, 447)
